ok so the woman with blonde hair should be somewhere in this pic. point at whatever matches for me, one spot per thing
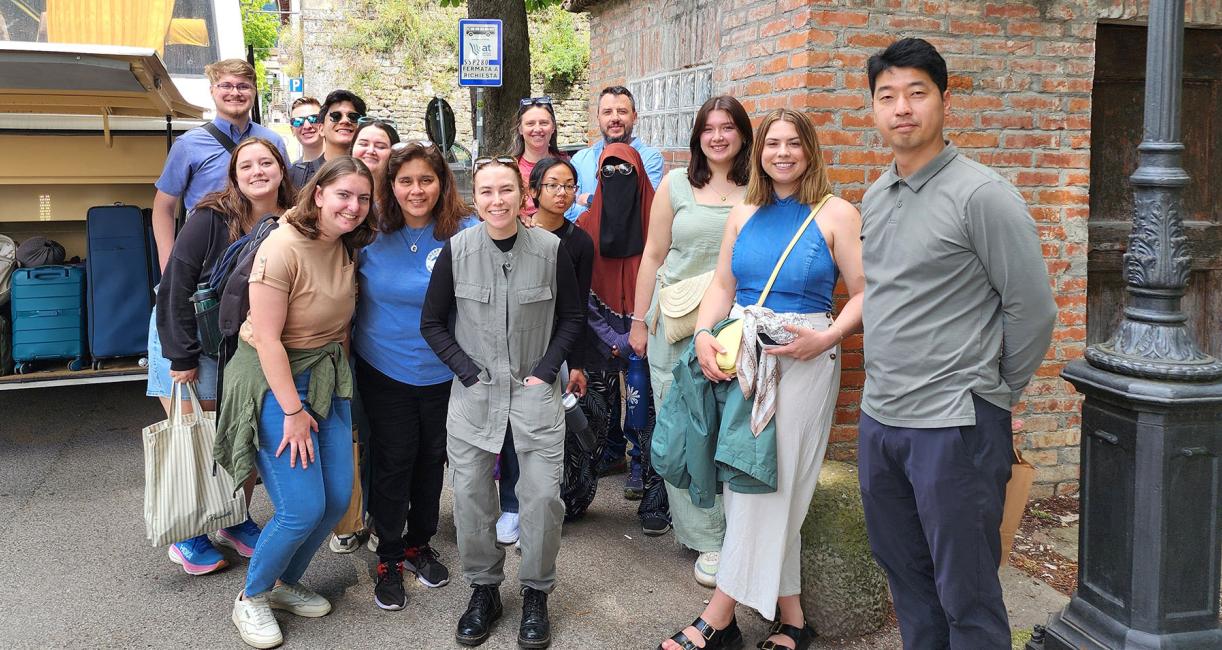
(788, 243)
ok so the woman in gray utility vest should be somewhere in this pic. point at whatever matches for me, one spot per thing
(502, 310)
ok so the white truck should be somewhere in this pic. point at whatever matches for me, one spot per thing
(92, 94)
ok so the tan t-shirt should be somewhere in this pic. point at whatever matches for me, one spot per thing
(320, 280)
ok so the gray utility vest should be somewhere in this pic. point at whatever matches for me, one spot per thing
(506, 304)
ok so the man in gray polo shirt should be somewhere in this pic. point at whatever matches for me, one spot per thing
(958, 315)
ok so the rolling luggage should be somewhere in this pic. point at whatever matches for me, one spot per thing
(48, 309)
(121, 272)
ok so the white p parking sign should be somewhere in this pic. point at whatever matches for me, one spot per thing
(479, 52)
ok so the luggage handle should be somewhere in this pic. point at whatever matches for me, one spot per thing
(48, 272)
(41, 313)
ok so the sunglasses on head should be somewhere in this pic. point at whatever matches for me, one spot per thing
(503, 160)
(338, 116)
(531, 101)
(298, 121)
(423, 144)
(370, 120)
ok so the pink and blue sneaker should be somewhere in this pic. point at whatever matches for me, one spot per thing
(197, 556)
(241, 538)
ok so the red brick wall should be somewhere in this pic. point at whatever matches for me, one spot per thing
(1021, 75)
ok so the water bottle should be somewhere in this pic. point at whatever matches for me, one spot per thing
(207, 318)
(637, 398)
(575, 421)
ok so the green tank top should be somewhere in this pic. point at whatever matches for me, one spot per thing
(695, 233)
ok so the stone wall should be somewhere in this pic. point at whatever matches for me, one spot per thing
(389, 93)
(1021, 78)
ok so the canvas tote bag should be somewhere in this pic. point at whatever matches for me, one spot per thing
(1018, 489)
(353, 521)
(185, 495)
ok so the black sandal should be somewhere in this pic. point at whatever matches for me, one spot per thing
(802, 637)
(727, 638)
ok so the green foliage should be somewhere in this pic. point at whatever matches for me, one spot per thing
(259, 29)
(294, 46)
(557, 52)
(410, 27)
(531, 5)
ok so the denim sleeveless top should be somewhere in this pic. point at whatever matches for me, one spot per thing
(808, 277)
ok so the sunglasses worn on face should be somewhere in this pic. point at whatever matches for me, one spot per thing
(297, 122)
(228, 87)
(531, 101)
(623, 169)
(504, 160)
(338, 116)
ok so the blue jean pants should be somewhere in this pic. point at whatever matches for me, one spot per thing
(308, 502)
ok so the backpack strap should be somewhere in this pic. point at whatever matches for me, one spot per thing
(220, 136)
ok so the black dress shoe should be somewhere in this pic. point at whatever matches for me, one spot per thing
(482, 611)
(536, 628)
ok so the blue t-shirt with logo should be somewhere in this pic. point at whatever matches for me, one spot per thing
(392, 281)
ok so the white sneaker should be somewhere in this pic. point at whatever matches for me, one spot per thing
(706, 568)
(298, 599)
(372, 544)
(507, 528)
(255, 622)
(344, 543)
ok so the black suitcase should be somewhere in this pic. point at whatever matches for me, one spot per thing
(121, 272)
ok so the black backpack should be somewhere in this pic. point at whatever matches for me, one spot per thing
(230, 277)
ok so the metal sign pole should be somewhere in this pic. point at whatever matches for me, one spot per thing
(479, 121)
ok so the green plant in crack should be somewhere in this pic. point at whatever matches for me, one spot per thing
(416, 30)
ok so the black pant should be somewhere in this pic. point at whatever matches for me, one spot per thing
(407, 455)
(933, 504)
(607, 384)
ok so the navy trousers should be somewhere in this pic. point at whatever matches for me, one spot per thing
(933, 504)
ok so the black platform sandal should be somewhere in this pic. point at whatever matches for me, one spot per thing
(727, 638)
(802, 637)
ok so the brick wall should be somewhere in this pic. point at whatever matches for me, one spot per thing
(1021, 75)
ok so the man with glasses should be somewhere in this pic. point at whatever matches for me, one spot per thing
(616, 117)
(340, 112)
(307, 127)
(198, 161)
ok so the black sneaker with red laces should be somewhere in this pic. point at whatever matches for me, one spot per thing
(389, 593)
(423, 561)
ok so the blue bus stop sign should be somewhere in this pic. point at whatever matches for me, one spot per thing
(480, 52)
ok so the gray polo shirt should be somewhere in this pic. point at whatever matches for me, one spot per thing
(957, 298)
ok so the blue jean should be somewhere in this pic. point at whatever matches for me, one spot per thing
(308, 502)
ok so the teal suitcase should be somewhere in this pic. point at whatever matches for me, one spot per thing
(48, 310)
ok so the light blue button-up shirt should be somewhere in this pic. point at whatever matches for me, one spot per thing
(198, 164)
(586, 162)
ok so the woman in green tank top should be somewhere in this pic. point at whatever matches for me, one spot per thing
(687, 219)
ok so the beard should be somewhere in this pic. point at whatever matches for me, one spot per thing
(626, 138)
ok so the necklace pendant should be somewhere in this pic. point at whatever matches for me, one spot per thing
(413, 249)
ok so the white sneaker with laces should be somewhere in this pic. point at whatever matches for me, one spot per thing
(298, 599)
(706, 568)
(255, 622)
(507, 528)
(344, 543)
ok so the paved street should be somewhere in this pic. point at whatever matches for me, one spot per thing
(79, 573)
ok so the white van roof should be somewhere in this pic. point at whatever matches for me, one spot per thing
(88, 80)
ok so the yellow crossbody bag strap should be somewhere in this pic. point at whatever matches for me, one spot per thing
(798, 235)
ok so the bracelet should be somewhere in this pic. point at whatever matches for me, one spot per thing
(295, 412)
(703, 329)
(639, 320)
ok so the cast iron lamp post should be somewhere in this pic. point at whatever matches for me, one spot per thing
(1148, 565)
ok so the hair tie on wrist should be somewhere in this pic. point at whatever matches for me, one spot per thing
(295, 412)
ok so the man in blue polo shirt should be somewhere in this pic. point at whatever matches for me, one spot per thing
(198, 162)
(616, 117)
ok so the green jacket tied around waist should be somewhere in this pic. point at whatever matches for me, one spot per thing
(703, 437)
(237, 434)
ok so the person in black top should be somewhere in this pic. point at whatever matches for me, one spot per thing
(257, 185)
(552, 185)
(340, 112)
(502, 311)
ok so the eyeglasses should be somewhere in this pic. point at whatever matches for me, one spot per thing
(228, 87)
(623, 169)
(370, 120)
(298, 121)
(556, 188)
(338, 116)
(503, 160)
(423, 144)
(531, 101)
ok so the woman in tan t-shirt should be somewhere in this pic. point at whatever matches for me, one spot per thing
(292, 361)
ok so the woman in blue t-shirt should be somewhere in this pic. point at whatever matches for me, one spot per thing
(405, 387)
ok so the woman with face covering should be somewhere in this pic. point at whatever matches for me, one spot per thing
(617, 222)
(502, 311)
(287, 391)
(534, 138)
(685, 225)
(405, 388)
(258, 185)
